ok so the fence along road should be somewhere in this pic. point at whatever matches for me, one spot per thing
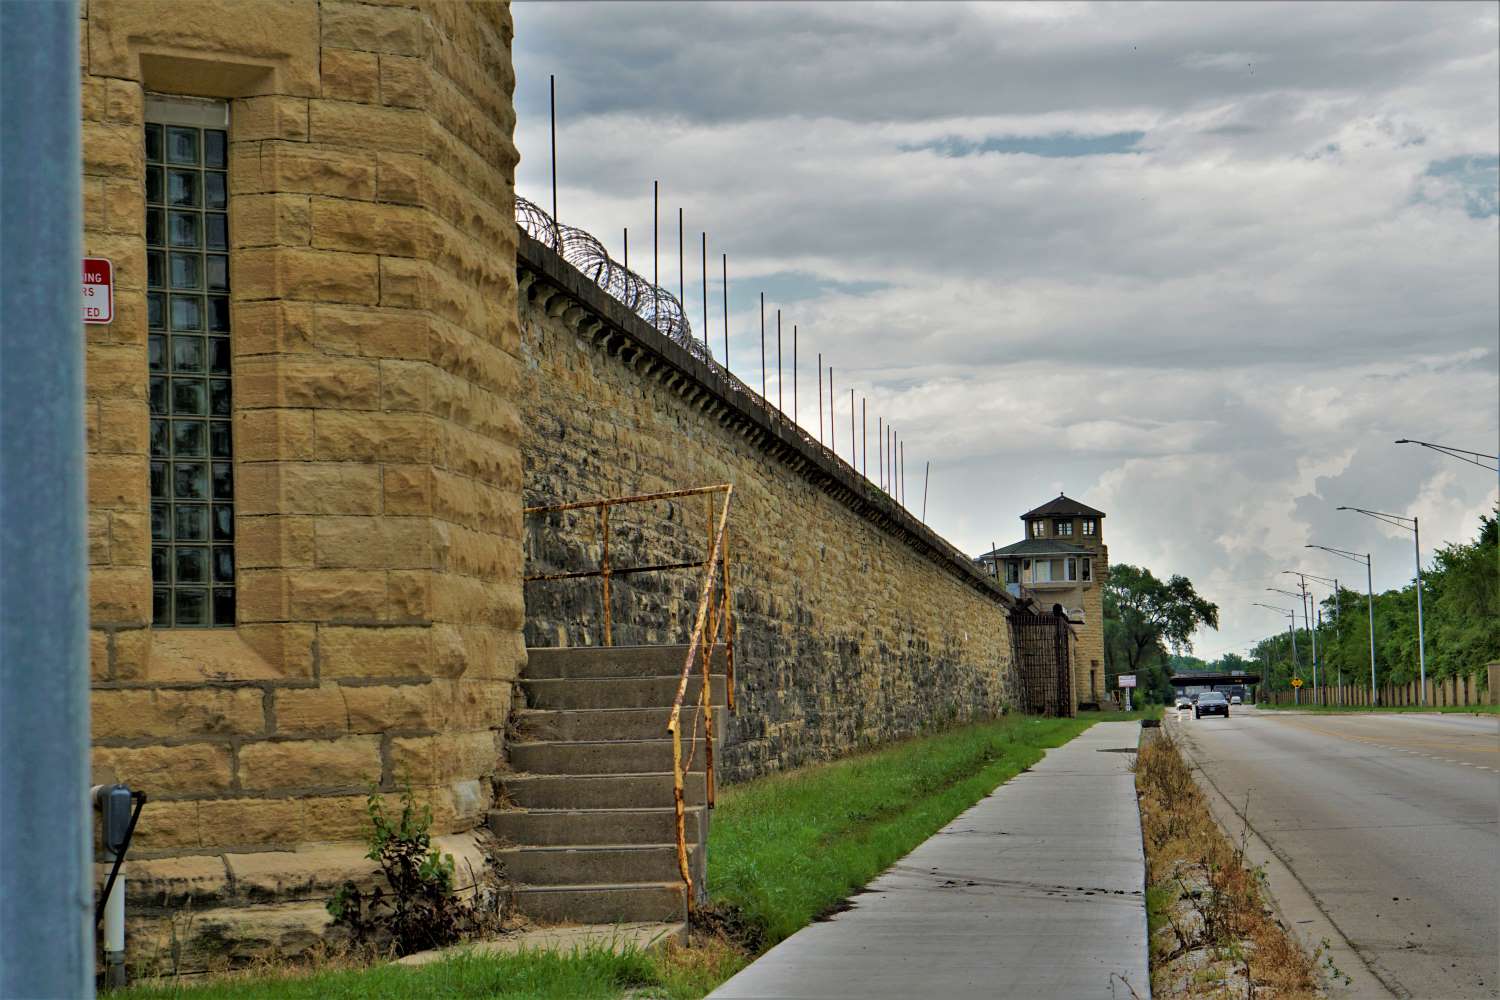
(1391, 823)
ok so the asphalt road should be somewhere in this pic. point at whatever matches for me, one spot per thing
(1390, 822)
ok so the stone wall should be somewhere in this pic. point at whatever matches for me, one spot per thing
(377, 469)
(856, 624)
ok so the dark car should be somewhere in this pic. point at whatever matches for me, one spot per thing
(1211, 703)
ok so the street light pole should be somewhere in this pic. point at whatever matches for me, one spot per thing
(1292, 630)
(1370, 600)
(1416, 534)
(1307, 623)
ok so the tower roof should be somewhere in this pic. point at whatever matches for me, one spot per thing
(1061, 506)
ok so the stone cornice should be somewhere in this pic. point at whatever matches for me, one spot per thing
(563, 292)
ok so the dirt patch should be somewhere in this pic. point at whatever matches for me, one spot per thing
(1212, 933)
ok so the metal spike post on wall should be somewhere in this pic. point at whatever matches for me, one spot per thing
(833, 437)
(726, 311)
(794, 373)
(552, 100)
(820, 397)
(778, 362)
(705, 291)
(763, 348)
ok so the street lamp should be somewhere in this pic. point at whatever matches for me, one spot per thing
(1307, 622)
(1399, 521)
(1370, 598)
(1292, 630)
(1462, 454)
(1338, 608)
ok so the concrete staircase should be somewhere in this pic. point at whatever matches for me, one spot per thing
(587, 813)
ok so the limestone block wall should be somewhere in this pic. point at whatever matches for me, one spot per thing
(856, 624)
(376, 438)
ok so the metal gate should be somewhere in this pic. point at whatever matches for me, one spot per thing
(1042, 663)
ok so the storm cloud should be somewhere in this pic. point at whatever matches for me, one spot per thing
(1197, 265)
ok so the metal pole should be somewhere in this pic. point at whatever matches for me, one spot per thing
(864, 437)
(1370, 594)
(705, 293)
(1338, 625)
(1296, 668)
(853, 439)
(681, 270)
(779, 407)
(726, 311)
(46, 890)
(626, 262)
(833, 442)
(1307, 617)
(655, 257)
(903, 474)
(794, 373)
(820, 397)
(879, 453)
(763, 348)
(1421, 637)
(926, 475)
(552, 98)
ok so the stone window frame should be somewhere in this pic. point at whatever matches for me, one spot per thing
(280, 648)
(173, 412)
(1039, 528)
(1062, 527)
(1090, 526)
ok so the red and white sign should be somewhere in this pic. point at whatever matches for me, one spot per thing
(98, 290)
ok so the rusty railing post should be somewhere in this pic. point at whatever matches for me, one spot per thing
(604, 528)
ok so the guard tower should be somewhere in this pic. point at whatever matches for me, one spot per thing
(1062, 560)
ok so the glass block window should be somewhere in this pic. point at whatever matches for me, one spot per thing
(187, 277)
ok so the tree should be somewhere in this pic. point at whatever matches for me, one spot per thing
(1145, 620)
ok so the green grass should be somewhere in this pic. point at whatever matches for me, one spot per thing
(586, 974)
(1345, 709)
(782, 850)
(786, 848)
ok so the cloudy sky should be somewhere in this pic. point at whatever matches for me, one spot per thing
(1197, 266)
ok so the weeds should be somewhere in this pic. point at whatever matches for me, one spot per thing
(416, 908)
(1211, 934)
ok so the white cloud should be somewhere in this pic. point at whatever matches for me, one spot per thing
(1214, 337)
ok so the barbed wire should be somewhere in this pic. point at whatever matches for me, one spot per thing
(663, 311)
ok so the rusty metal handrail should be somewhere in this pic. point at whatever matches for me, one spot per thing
(712, 620)
(718, 556)
(606, 571)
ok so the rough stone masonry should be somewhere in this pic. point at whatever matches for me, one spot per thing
(856, 624)
(335, 229)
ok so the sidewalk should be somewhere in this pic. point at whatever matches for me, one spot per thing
(1036, 892)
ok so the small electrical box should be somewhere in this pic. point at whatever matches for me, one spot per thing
(114, 809)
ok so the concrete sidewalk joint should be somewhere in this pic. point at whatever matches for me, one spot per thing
(1037, 891)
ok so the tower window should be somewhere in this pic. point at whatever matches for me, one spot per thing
(1088, 569)
(1038, 529)
(187, 279)
(1070, 569)
(1090, 526)
(1062, 527)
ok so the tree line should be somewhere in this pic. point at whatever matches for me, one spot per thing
(1149, 622)
(1460, 614)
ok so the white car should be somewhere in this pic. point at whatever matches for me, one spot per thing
(1184, 702)
(1235, 700)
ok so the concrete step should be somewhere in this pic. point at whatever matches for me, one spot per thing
(610, 723)
(599, 863)
(615, 661)
(603, 903)
(601, 757)
(614, 692)
(587, 791)
(556, 827)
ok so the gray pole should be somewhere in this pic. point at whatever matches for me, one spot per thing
(1338, 625)
(1370, 596)
(1307, 617)
(46, 890)
(1421, 638)
(1296, 667)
